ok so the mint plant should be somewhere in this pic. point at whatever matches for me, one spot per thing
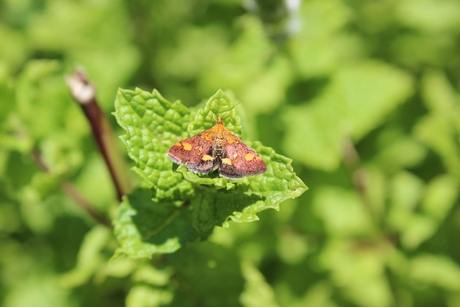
(173, 205)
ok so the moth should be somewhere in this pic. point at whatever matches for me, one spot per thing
(217, 149)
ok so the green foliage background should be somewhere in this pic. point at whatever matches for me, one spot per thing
(362, 95)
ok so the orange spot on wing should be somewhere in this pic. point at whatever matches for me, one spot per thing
(226, 161)
(223, 148)
(186, 146)
(249, 157)
(207, 158)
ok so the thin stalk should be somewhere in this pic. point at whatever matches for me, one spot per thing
(84, 93)
(73, 193)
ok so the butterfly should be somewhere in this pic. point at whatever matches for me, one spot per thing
(217, 149)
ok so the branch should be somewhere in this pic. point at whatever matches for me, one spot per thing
(73, 192)
(84, 93)
(359, 176)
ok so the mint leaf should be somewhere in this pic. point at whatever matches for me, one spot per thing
(144, 228)
(152, 126)
(199, 273)
(357, 101)
(250, 195)
(439, 129)
(219, 105)
(257, 292)
(433, 270)
(241, 201)
(90, 257)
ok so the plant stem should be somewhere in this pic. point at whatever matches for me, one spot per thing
(359, 177)
(84, 93)
(73, 192)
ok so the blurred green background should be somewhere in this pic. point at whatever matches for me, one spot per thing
(362, 95)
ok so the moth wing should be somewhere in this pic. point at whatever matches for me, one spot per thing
(204, 166)
(240, 161)
(190, 151)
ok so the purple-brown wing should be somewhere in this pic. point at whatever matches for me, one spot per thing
(240, 161)
(190, 151)
(203, 167)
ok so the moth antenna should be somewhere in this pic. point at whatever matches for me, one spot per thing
(206, 106)
(234, 106)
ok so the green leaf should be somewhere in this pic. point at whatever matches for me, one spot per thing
(242, 61)
(358, 271)
(439, 95)
(257, 291)
(417, 229)
(38, 289)
(440, 128)
(219, 105)
(417, 210)
(440, 136)
(435, 270)
(276, 185)
(313, 136)
(342, 212)
(154, 124)
(50, 119)
(438, 199)
(206, 274)
(13, 56)
(142, 295)
(86, 40)
(144, 227)
(90, 257)
(292, 247)
(320, 48)
(357, 101)
(319, 294)
(150, 287)
(440, 196)
(241, 201)
(43, 99)
(405, 193)
(367, 93)
(391, 144)
(429, 15)
(267, 90)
